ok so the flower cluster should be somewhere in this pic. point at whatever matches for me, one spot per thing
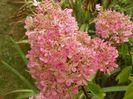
(50, 16)
(114, 26)
(62, 58)
(105, 56)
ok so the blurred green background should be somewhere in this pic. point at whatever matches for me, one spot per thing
(10, 25)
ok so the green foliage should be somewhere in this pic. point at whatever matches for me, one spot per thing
(20, 51)
(84, 27)
(105, 3)
(2, 85)
(2, 82)
(123, 50)
(114, 89)
(123, 75)
(19, 75)
(21, 91)
(24, 96)
(131, 78)
(97, 92)
(26, 93)
(79, 12)
(129, 92)
(125, 6)
(131, 40)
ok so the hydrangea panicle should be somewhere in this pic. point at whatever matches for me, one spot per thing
(114, 26)
(62, 58)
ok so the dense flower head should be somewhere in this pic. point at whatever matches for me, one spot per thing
(105, 56)
(114, 26)
(62, 58)
(59, 65)
(51, 16)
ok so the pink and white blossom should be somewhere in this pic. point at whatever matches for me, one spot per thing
(114, 26)
(62, 58)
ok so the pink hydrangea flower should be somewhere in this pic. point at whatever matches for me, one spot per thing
(61, 58)
(114, 26)
(50, 16)
(59, 64)
(105, 56)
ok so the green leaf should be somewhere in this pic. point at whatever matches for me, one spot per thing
(20, 51)
(79, 11)
(96, 90)
(21, 91)
(124, 74)
(23, 41)
(114, 88)
(131, 78)
(26, 81)
(83, 27)
(64, 3)
(129, 92)
(123, 50)
(24, 96)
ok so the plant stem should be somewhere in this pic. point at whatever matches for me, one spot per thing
(85, 93)
(115, 88)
